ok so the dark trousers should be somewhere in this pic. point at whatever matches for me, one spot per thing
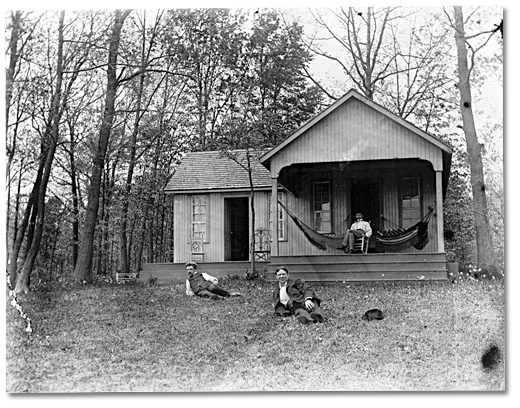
(298, 309)
(211, 289)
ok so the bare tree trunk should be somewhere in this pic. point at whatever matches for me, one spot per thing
(84, 264)
(249, 169)
(16, 212)
(53, 251)
(485, 253)
(16, 18)
(75, 200)
(22, 282)
(17, 245)
(124, 262)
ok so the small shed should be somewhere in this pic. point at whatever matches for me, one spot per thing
(212, 206)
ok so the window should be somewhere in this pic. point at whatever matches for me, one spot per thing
(410, 201)
(198, 217)
(321, 206)
(281, 216)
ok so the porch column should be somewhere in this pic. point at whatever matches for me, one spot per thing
(439, 210)
(274, 216)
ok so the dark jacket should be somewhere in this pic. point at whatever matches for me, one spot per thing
(298, 290)
(198, 283)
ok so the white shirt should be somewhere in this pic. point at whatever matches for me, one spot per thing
(362, 225)
(284, 297)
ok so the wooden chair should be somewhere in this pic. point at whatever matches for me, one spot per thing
(360, 244)
(262, 245)
(198, 253)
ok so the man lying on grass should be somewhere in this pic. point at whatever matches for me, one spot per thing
(204, 285)
(295, 296)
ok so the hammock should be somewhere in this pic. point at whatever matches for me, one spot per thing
(320, 241)
(394, 239)
(397, 238)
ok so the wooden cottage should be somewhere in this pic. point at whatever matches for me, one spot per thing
(355, 156)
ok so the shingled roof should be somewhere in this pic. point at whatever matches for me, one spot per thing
(212, 171)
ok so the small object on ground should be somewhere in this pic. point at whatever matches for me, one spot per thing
(373, 314)
(235, 294)
(491, 357)
(303, 319)
(316, 317)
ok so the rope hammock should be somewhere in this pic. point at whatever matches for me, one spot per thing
(394, 239)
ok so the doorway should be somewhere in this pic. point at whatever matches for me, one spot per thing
(364, 195)
(236, 229)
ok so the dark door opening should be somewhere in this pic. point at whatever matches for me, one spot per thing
(364, 195)
(236, 229)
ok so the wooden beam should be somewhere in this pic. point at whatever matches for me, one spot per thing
(274, 216)
(439, 211)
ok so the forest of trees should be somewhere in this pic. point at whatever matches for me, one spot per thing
(101, 106)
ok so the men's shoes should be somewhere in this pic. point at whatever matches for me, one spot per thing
(235, 294)
(317, 317)
(345, 249)
(303, 319)
(215, 297)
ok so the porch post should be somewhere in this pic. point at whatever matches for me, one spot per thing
(274, 216)
(439, 210)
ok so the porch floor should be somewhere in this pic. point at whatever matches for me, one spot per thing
(330, 268)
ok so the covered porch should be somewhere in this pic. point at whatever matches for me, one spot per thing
(391, 194)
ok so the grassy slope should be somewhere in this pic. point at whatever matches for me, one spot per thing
(154, 338)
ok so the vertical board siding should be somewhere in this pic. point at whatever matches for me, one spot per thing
(182, 232)
(215, 223)
(296, 243)
(354, 132)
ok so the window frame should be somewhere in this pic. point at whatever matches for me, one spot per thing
(401, 200)
(313, 203)
(282, 221)
(205, 237)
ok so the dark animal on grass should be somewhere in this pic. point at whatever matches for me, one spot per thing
(490, 358)
(373, 314)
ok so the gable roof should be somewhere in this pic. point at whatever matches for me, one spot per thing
(355, 94)
(212, 171)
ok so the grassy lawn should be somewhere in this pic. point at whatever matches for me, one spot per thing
(108, 338)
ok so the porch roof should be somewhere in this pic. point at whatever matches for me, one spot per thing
(213, 171)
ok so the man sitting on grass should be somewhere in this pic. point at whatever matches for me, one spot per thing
(295, 296)
(204, 285)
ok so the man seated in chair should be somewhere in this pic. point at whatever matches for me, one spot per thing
(204, 285)
(359, 229)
